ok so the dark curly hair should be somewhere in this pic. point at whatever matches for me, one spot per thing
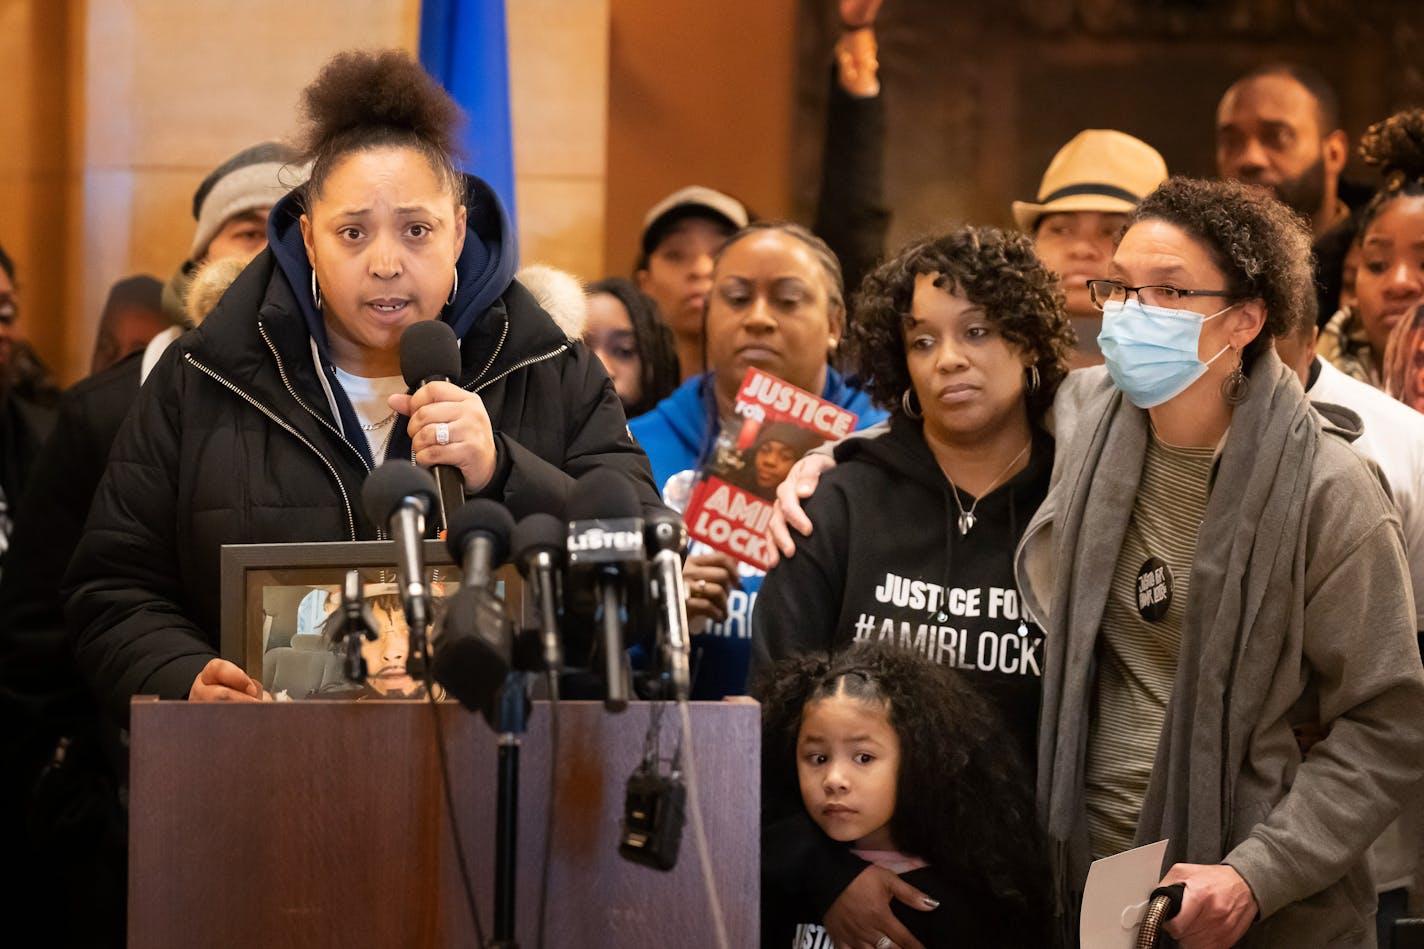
(997, 270)
(1261, 247)
(962, 802)
(363, 99)
(1396, 147)
(656, 351)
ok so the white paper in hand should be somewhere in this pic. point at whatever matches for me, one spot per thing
(1115, 896)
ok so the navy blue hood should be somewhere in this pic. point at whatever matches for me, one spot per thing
(486, 266)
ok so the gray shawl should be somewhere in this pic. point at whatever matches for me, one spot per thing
(1242, 630)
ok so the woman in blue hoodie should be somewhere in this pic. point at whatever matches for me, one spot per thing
(777, 304)
(261, 425)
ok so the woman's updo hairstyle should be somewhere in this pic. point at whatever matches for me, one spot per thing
(1396, 147)
(362, 100)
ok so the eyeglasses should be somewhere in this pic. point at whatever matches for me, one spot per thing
(1105, 291)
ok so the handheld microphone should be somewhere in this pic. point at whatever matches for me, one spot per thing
(429, 352)
(398, 496)
(666, 538)
(606, 567)
(540, 542)
(473, 654)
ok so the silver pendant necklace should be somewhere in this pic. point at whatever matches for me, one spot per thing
(372, 426)
(967, 520)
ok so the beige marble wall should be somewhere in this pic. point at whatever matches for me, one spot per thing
(558, 78)
(36, 188)
(120, 108)
(699, 93)
(171, 88)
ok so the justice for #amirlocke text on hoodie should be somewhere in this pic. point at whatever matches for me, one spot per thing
(886, 562)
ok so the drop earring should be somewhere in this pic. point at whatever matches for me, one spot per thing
(454, 288)
(1235, 386)
(316, 291)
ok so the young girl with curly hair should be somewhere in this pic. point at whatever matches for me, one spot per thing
(900, 761)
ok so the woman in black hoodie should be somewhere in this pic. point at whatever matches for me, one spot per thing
(261, 425)
(915, 530)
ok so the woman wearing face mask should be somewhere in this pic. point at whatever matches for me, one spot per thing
(261, 425)
(1214, 565)
(777, 305)
(1389, 278)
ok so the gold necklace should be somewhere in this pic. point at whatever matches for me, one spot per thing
(967, 518)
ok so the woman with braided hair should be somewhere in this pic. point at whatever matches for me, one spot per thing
(1389, 281)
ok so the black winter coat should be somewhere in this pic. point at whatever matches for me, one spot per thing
(232, 441)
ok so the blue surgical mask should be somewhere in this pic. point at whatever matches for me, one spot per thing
(1151, 351)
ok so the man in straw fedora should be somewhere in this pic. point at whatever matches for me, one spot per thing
(1083, 201)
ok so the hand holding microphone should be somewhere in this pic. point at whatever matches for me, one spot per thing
(450, 430)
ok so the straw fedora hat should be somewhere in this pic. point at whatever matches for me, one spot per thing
(1098, 170)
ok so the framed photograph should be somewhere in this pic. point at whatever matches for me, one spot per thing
(277, 600)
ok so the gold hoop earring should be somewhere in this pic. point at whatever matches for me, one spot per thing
(1031, 386)
(911, 404)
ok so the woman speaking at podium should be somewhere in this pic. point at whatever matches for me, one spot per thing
(260, 426)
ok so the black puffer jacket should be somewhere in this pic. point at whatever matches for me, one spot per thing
(233, 441)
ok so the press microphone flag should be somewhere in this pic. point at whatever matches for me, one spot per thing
(607, 566)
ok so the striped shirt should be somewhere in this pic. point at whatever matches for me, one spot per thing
(1141, 637)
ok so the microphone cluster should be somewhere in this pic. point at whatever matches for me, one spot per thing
(605, 570)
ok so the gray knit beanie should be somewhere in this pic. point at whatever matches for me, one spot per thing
(255, 177)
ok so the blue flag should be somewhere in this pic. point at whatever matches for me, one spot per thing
(463, 44)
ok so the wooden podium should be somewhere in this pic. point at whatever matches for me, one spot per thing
(316, 824)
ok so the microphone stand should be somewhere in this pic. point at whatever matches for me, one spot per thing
(511, 721)
(355, 624)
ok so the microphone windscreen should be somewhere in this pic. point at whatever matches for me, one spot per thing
(537, 532)
(427, 349)
(472, 653)
(393, 482)
(480, 516)
(602, 494)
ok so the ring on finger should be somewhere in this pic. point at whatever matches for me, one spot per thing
(442, 433)
(700, 587)
(884, 942)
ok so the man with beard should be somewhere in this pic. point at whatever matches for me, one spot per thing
(1279, 127)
